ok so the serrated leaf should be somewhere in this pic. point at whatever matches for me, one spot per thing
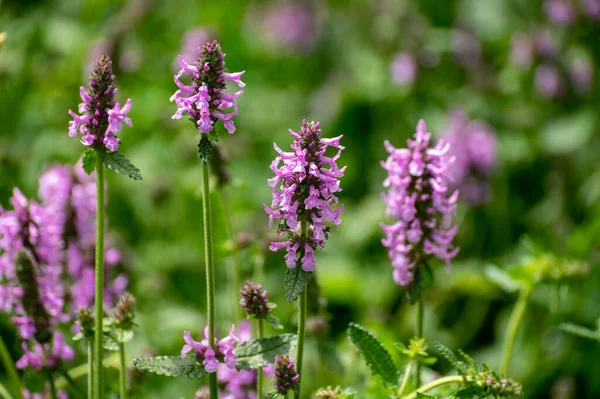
(295, 281)
(421, 395)
(172, 366)
(262, 351)
(117, 162)
(274, 322)
(451, 357)
(580, 331)
(88, 162)
(377, 357)
(204, 149)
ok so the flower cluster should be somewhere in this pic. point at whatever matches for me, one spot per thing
(45, 394)
(209, 357)
(473, 145)
(404, 69)
(286, 376)
(125, 311)
(41, 356)
(419, 198)
(100, 116)
(254, 300)
(489, 383)
(205, 100)
(304, 188)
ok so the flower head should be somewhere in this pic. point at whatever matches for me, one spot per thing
(304, 191)
(254, 300)
(211, 357)
(286, 376)
(205, 99)
(125, 311)
(100, 117)
(404, 69)
(419, 199)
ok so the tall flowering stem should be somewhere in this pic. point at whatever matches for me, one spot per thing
(513, 327)
(419, 198)
(99, 297)
(9, 367)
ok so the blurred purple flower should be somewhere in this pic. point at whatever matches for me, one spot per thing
(308, 181)
(544, 44)
(581, 72)
(474, 146)
(466, 48)
(560, 12)
(548, 82)
(193, 40)
(45, 394)
(205, 99)
(521, 53)
(419, 199)
(404, 69)
(591, 8)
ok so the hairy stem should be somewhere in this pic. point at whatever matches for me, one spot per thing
(260, 381)
(434, 384)
(420, 317)
(405, 378)
(11, 371)
(99, 298)
(90, 376)
(513, 326)
(122, 371)
(71, 382)
(302, 305)
(210, 273)
(53, 394)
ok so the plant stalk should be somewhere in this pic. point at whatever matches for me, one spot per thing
(11, 372)
(405, 378)
(434, 384)
(302, 305)
(122, 372)
(71, 382)
(53, 394)
(420, 318)
(210, 273)
(513, 326)
(99, 298)
(260, 381)
(90, 376)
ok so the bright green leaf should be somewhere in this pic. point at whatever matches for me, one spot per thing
(172, 366)
(262, 351)
(117, 162)
(377, 357)
(89, 161)
(295, 282)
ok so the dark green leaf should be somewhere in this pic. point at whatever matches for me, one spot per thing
(377, 357)
(274, 322)
(172, 366)
(423, 279)
(580, 331)
(295, 282)
(260, 352)
(329, 355)
(117, 162)
(451, 357)
(421, 395)
(204, 149)
(89, 161)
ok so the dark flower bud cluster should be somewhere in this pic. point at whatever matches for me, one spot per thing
(125, 311)
(100, 116)
(334, 393)
(254, 300)
(286, 376)
(491, 384)
(85, 320)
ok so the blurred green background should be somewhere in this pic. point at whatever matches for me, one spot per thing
(330, 61)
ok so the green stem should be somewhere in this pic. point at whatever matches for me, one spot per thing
(72, 383)
(420, 317)
(99, 299)
(52, 386)
(435, 384)
(405, 378)
(513, 327)
(260, 382)
(90, 376)
(122, 371)
(4, 393)
(11, 371)
(302, 305)
(210, 273)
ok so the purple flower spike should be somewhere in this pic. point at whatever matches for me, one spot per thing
(419, 199)
(101, 117)
(209, 357)
(304, 188)
(254, 300)
(205, 100)
(286, 376)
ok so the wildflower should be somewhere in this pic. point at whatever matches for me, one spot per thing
(419, 199)
(100, 116)
(285, 377)
(304, 188)
(404, 69)
(560, 12)
(45, 394)
(254, 300)
(205, 100)
(488, 383)
(222, 353)
(548, 82)
(473, 146)
(125, 311)
(45, 356)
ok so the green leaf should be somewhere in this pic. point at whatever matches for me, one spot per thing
(204, 149)
(423, 279)
(580, 331)
(260, 352)
(421, 395)
(451, 357)
(123, 335)
(110, 343)
(377, 357)
(172, 366)
(274, 322)
(89, 161)
(78, 337)
(501, 278)
(329, 355)
(117, 162)
(295, 282)
(273, 395)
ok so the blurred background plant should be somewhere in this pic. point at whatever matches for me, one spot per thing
(519, 71)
